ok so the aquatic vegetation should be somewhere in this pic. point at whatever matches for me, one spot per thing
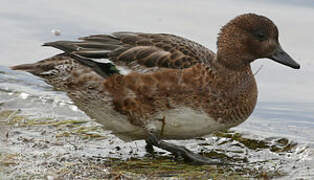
(64, 148)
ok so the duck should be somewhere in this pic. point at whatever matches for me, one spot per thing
(158, 87)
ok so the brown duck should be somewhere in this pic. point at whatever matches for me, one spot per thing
(162, 86)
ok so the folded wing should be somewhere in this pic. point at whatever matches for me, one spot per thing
(138, 51)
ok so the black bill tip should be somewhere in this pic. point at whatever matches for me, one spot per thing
(280, 56)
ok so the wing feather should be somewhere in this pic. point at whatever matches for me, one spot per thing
(139, 49)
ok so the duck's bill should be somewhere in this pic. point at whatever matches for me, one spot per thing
(282, 57)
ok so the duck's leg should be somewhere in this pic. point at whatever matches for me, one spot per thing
(181, 151)
(149, 148)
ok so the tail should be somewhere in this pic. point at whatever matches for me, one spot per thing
(68, 71)
(45, 67)
(81, 52)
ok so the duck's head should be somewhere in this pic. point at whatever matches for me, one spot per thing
(249, 37)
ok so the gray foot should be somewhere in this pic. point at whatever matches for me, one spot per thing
(182, 151)
(149, 148)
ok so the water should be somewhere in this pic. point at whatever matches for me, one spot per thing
(286, 97)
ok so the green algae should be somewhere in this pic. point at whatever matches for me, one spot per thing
(165, 167)
(7, 159)
(12, 118)
(280, 145)
(249, 143)
(145, 167)
(84, 133)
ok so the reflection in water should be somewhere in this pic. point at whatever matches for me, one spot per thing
(292, 120)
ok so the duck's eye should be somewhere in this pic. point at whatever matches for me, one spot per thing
(260, 35)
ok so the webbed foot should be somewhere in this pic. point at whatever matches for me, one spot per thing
(182, 151)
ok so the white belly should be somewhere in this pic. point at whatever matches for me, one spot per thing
(180, 123)
(185, 123)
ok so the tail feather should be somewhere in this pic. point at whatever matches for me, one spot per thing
(96, 46)
(77, 52)
(44, 65)
(65, 46)
(60, 62)
(65, 63)
(28, 68)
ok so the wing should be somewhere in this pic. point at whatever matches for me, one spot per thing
(139, 51)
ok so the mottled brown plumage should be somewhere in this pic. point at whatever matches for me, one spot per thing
(136, 50)
(175, 85)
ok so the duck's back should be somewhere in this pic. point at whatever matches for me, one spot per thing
(141, 52)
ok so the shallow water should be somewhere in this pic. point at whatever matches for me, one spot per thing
(286, 97)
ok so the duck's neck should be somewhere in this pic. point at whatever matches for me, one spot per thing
(237, 80)
(226, 67)
(232, 60)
